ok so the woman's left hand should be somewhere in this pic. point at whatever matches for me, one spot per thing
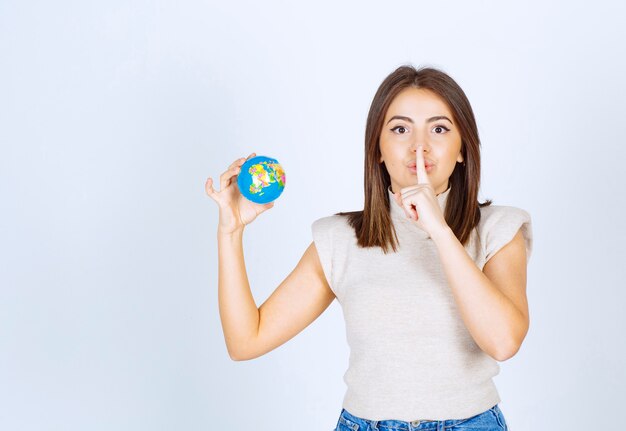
(420, 202)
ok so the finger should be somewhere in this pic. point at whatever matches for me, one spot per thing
(234, 167)
(208, 187)
(420, 168)
(399, 199)
(410, 209)
(227, 176)
(399, 203)
(237, 162)
(410, 191)
(241, 161)
(229, 172)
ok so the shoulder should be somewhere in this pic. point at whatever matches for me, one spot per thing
(326, 222)
(332, 236)
(493, 215)
(498, 225)
(333, 224)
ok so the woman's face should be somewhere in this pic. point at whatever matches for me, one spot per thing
(416, 116)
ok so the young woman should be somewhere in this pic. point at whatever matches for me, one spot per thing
(431, 282)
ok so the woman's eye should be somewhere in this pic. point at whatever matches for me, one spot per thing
(441, 127)
(400, 127)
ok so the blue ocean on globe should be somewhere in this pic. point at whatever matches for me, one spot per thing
(261, 179)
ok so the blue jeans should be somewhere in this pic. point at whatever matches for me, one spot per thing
(489, 420)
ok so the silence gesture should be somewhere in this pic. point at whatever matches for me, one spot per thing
(420, 201)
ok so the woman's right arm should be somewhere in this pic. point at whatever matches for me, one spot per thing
(249, 331)
(300, 299)
(238, 311)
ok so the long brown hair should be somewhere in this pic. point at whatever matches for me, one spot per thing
(372, 225)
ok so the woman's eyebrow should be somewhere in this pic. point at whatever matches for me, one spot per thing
(410, 120)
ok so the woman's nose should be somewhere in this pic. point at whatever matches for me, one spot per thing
(416, 142)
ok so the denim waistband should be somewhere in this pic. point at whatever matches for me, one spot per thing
(358, 424)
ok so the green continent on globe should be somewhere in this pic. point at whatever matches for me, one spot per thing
(263, 175)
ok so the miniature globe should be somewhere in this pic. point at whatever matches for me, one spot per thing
(261, 179)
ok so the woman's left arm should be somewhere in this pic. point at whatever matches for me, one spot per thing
(492, 302)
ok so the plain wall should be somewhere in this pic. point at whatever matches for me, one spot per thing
(113, 115)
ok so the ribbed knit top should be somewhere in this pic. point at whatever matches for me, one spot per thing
(411, 356)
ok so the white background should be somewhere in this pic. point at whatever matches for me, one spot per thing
(113, 114)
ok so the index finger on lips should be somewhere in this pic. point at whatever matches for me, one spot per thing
(422, 176)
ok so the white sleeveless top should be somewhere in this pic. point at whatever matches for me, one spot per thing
(411, 356)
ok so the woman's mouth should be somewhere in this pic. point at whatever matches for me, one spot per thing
(413, 169)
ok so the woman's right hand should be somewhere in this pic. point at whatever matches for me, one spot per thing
(235, 210)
